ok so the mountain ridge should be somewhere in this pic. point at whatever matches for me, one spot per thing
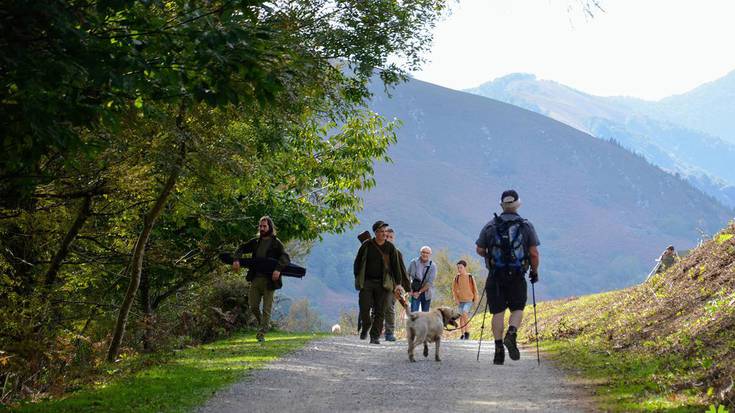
(602, 212)
(703, 159)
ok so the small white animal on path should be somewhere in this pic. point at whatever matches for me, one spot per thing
(336, 329)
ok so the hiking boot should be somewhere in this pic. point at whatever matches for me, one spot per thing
(363, 334)
(466, 335)
(499, 358)
(260, 337)
(390, 337)
(374, 341)
(510, 342)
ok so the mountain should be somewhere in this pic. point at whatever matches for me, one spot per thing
(705, 160)
(602, 213)
(709, 108)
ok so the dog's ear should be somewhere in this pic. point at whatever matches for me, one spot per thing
(445, 315)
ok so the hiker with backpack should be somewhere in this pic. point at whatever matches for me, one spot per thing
(509, 245)
(464, 291)
(377, 273)
(421, 273)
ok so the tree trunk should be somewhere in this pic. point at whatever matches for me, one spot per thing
(136, 263)
(147, 309)
(82, 216)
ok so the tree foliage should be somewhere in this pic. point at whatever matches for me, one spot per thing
(141, 138)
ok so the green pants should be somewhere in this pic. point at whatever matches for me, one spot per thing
(372, 296)
(390, 313)
(259, 290)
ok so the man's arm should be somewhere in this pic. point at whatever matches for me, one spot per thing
(454, 289)
(358, 259)
(535, 257)
(246, 248)
(283, 258)
(481, 243)
(411, 270)
(405, 283)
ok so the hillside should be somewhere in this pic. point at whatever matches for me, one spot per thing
(643, 127)
(600, 210)
(668, 343)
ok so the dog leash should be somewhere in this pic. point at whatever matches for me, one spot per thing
(402, 299)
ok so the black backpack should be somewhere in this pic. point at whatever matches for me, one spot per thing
(507, 252)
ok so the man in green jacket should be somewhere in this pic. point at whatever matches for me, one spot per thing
(390, 303)
(377, 273)
(263, 286)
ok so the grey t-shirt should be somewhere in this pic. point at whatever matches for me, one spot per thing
(487, 234)
(416, 271)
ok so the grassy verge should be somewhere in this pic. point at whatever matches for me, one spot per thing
(182, 382)
(664, 345)
(636, 374)
(625, 382)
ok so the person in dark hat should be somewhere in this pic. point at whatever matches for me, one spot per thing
(510, 246)
(377, 272)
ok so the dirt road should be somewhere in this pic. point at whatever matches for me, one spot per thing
(346, 374)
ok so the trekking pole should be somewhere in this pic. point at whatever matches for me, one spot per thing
(535, 323)
(482, 330)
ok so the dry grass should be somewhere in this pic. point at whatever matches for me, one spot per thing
(673, 335)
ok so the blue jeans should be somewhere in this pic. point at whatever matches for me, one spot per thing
(421, 301)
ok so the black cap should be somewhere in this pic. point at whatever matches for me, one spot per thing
(509, 193)
(379, 224)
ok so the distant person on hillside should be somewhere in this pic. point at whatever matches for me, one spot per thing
(377, 273)
(390, 304)
(263, 286)
(668, 258)
(510, 246)
(464, 291)
(422, 274)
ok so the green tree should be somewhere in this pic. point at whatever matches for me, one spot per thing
(200, 114)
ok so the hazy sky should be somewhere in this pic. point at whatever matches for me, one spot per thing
(643, 48)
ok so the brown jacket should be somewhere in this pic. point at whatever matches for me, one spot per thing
(464, 288)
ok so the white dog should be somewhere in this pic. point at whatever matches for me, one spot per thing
(427, 327)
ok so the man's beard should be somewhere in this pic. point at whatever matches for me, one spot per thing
(264, 233)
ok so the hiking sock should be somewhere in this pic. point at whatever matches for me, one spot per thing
(510, 342)
(467, 335)
(499, 353)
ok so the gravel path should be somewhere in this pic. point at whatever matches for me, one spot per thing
(347, 374)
